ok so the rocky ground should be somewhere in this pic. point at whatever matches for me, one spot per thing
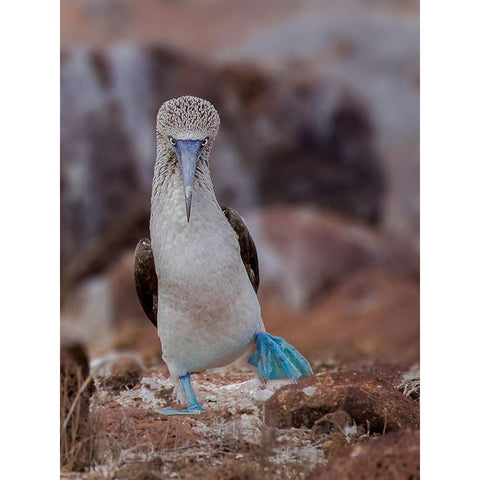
(356, 320)
(341, 421)
(332, 85)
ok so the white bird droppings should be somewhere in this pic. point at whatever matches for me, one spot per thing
(261, 396)
(309, 391)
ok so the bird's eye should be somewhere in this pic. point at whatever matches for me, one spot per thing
(172, 141)
(205, 141)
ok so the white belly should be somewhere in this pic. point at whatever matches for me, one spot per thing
(194, 343)
(208, 312)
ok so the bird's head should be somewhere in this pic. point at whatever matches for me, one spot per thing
(187, 126)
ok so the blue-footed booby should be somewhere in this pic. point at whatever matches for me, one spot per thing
(198, 276)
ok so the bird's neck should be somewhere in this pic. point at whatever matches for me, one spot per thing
(168, 189)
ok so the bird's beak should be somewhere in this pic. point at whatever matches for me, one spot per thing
(188, 152)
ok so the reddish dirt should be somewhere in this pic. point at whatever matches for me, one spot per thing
(370, 399)
(300, 427)
(394, 456)
(370, 315)
(319, 250)
(151, 470)
(144, 430)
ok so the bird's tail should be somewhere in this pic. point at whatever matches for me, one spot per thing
(276, 359)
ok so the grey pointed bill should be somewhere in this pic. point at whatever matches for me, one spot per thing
(187, 152)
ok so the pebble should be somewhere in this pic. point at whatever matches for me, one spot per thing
(261, 396)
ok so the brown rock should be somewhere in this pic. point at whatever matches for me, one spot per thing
(335, 432)
(394, 456)
(331, 422)
(370, 399)
(275, 115)
(304, 262)
(125, 374)
(335, 445)
(151, 470)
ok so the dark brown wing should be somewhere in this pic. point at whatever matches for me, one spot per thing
(146, 283)
(247, 246)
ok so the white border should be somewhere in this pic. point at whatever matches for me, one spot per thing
(29, 42)
(450, 238)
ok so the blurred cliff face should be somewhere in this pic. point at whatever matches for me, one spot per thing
(117, 70)
(289, 139)
(319, 108)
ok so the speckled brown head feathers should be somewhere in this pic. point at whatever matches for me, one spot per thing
(189, 118)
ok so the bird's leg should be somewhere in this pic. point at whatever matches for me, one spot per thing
(276, 359)
(193, 407)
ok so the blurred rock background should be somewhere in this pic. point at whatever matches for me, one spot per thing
(318, 150)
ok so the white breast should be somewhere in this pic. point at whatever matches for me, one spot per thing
(208, 312)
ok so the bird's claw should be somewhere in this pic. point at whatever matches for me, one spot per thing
(187, 411)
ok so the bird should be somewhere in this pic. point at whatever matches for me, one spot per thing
(197, 275)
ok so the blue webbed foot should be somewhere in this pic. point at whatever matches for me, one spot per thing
(193, 407)
(187, 411)
(276, 359)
